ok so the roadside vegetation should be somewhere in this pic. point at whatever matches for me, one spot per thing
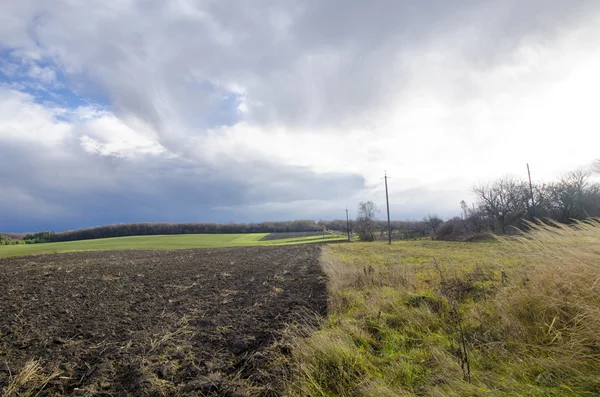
(518, 316)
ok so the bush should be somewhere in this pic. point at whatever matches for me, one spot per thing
(452, 230)
(456, 229)
(39, 237)
(7, 240)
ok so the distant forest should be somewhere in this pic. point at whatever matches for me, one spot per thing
(146, 229)
(407, 229)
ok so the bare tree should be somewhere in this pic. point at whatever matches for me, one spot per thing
(568, 196)
(596, 166)
(365, 220)
(505, 199)
(432, 222)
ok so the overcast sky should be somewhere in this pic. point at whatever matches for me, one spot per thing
(236, 110)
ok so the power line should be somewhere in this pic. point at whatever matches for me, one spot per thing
(531, 191)
(387, 201)
(347, 224)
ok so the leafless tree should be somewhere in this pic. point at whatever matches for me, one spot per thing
(365, 220)
(569, 196)
(505, 199)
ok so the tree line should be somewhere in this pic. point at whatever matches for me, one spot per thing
(503, 205)
(368, 228)
(146, 229)
(375, 227)
(401, 229)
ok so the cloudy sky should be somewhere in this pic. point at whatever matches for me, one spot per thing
(237, 110)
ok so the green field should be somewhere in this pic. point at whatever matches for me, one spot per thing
(179, 241)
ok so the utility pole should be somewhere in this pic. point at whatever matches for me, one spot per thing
(347, 224)
(387, 201)
(531, 191)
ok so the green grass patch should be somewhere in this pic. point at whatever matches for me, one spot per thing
(180, 241)
(427, 318)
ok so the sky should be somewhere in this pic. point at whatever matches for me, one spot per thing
(117, 111)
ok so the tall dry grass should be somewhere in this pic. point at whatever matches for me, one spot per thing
(550, 312)
(526, 310)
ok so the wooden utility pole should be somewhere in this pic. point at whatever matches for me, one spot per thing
(387, 201)
(347, 224)
(531, 191)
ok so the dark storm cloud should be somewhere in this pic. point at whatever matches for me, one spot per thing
(69, 191)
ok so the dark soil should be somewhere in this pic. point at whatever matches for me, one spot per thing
(185, 322)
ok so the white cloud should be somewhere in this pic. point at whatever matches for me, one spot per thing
(109, 136)
(23, 119)
(99, 131)
(536, 107)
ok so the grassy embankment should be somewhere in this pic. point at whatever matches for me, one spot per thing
(180, 241)
(517, 317)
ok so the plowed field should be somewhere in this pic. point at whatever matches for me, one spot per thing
(185, 322)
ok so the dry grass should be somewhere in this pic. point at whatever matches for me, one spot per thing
(524, 310)
(29, 381)
(551, 311)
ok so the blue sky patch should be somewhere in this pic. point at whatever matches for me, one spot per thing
(43, 80)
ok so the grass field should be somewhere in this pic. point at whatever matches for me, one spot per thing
(515, 317)
(161, 242)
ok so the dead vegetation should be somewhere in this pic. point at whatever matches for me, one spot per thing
(516, 317)
(31, 380)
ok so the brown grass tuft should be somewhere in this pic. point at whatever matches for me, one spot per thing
(29, 381)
